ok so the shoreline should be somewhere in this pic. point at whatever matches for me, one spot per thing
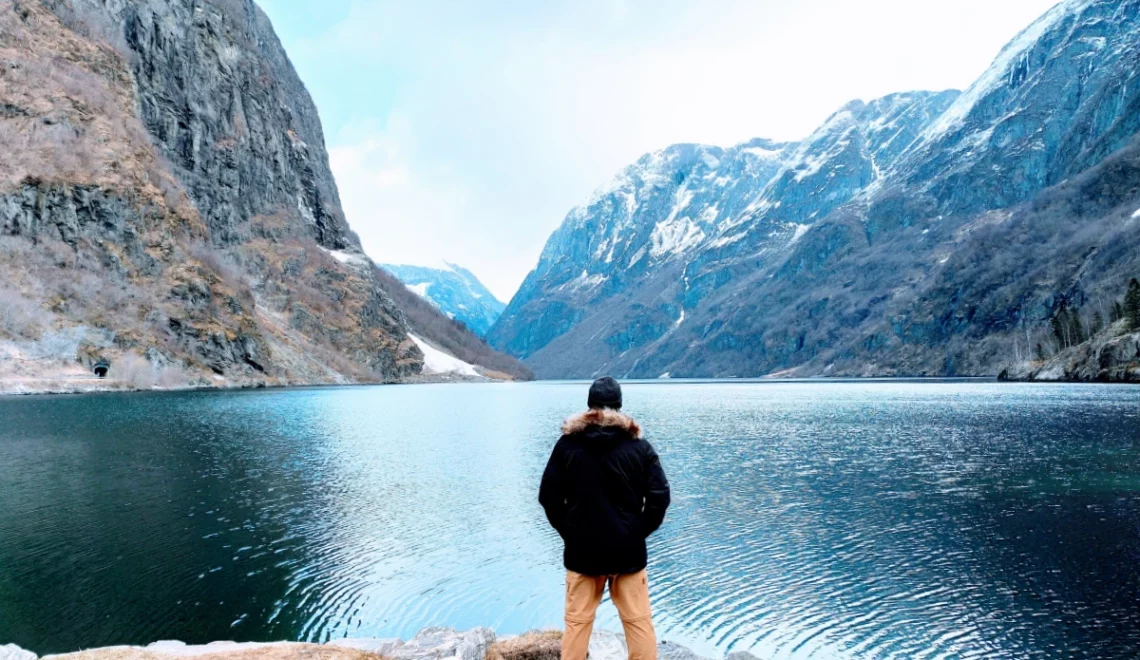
(433, 643)
(29, 387)
(26, 387)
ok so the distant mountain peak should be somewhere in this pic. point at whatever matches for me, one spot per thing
(454, 290)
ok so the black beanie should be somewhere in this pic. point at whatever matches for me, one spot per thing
(605, 393)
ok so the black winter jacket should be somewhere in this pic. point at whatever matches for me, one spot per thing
(605, 493)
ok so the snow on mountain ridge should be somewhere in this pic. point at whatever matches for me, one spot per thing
(454, 290)
(1001, 68)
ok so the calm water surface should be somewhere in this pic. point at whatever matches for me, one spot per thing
(810, 520)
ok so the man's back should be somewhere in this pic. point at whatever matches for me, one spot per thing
(605, 492)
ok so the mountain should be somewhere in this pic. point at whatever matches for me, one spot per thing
(166, 205)
(919, 234)
(456, 338)
(455, 291)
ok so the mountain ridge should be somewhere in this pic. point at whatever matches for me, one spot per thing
(454, 290)
(861, 289)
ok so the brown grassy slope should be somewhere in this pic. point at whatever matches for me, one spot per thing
(103, 255)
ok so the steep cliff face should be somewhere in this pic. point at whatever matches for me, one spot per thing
(918, 234)
(625, 273)
(219, 95)
(167, 204)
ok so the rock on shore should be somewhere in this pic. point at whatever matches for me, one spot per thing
(428, 644)
(1112, 356)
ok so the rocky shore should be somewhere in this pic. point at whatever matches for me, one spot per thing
(428, 644)
(1111, 356)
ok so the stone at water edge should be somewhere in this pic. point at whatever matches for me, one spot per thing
(670, 651)
(741, 655)
(385, 647)
(180, 649)
(13, 652)
(606, 645)
(439, 643)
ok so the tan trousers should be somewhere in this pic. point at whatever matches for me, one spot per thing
(629, 593)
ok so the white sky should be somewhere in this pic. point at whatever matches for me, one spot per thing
(466, 131)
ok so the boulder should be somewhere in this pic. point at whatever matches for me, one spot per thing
(439, 643)
(13, 652)
(385, 646)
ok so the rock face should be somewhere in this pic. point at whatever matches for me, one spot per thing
(919, 234)
(1112, 356)
(165, 189)
(455, 291)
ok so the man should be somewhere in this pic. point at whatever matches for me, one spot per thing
(604, 492)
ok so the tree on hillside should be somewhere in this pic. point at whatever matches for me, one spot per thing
(1076, 327)
(1132, 305)
(1062, 326)
(1097, 323)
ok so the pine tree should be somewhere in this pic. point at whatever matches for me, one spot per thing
(1132, 305)
(1067, 328)
(1076, 328)
(1060, 325)
(1097, 323)
(1117, 312)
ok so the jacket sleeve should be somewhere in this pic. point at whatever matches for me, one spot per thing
(656, 492)
(552, 494)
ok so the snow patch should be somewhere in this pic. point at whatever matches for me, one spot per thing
(761, 153)
(799, 232)
(420, 289)
(665, 376)
(584, 280)
(1136, 214)
(727, 240)
(347, 257)
(438, 362)
(674, 237)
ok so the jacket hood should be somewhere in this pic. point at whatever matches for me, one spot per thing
(605, 418)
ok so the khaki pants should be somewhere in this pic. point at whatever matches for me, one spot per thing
(629, 593)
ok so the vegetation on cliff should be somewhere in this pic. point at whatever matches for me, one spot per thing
(166, 204)
(1084, 348)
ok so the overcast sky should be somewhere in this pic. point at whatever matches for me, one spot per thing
(466, 130)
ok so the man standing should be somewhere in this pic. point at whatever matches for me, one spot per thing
(604, 492)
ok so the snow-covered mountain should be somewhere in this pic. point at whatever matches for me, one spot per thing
(455, 291)
(858, 250)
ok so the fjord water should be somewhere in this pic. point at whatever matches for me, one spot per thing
(826, 520)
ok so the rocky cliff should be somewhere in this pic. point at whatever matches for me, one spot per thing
(919, 234)
(1112, 356)
(166, 204)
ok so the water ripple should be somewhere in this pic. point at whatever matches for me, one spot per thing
(810, 520)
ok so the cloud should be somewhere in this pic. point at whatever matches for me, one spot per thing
(466, 131)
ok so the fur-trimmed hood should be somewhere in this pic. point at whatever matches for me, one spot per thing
(606, 417)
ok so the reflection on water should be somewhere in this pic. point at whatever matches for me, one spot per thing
(835, 520)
